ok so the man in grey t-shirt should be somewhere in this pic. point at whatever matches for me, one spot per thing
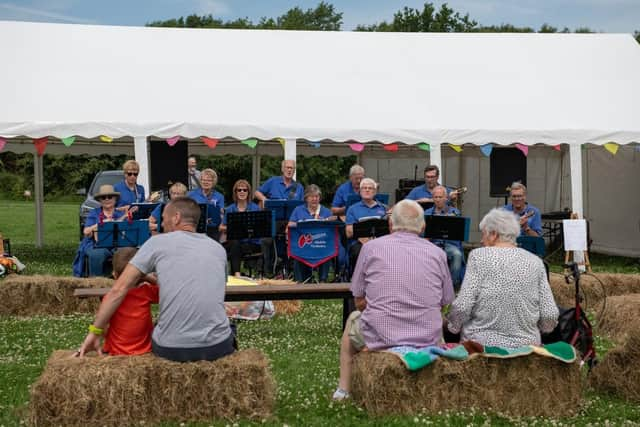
(191, 270)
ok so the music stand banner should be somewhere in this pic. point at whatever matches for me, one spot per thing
(122, 234)
(314, 242)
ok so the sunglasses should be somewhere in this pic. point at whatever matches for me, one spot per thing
(105, 198)
(242, 190)
(132, 173)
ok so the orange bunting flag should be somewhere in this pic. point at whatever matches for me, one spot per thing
(357, 147)
(173, 141)
(391, 147)
(105, 138)
(456, 148)
(210, 142)
(557, 147)
(3, 142)
(523, 148)
(41, 144)
(611, 147)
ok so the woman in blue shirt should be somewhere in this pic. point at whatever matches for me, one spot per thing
(207, 194)
(129, 189)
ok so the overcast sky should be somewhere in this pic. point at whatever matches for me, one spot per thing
(614, 16)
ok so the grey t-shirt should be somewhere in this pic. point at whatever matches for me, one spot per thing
(192, 274)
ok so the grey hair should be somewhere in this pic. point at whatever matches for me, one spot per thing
(311, 190)
(287, 160)
(407, 215)
(502, 222)
(440, 187)
(356, 169)
(368, 181)
(518, 186)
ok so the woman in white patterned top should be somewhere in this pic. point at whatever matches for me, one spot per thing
(505, 299)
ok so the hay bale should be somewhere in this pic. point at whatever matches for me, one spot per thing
(133, 389)
(614, 284)
(620, 317)
(523, 386)
(285, 307)
(22, 295)
(619, 372)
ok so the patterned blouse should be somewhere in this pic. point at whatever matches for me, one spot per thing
(505, 299)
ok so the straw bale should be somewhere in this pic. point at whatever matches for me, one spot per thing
(619, 372)
(22, 295)
(614, 284)
(123, 390)
(285, 307)
(522, 386)
(620, 317)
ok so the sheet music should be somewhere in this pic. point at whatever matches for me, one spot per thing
(575, 234)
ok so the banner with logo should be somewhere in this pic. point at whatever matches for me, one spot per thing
(313, 243)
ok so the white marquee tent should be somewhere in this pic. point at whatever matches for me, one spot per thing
(63, 80)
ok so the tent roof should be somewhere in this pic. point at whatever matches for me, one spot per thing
(61, 80)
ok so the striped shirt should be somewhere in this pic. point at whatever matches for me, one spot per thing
(405, 282)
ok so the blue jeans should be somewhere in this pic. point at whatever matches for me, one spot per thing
(97, 258)
(455, 258)
(303, 272)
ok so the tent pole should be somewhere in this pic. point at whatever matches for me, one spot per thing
(435, 157)
(39, 198)
(255, 170)
(141, 153)
(290, 150)
(575, 165)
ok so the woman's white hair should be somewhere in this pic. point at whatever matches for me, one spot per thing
(502, 222)
(407, 215)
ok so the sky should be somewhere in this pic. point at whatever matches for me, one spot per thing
(612, 16)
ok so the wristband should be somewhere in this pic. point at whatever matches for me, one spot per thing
(95, 330)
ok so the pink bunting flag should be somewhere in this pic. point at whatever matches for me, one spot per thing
(210, 142)
(391, 147)
(3, 142)
(523, 148)
(557, 147)
(41, 144)
(173, 141)
(357, 147)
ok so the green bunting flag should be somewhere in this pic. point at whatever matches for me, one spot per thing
(68, 141)
(424, 146)
(251, 142)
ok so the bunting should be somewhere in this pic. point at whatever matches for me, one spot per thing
(357, 147)
(251, 142)
(173, 141)
(424, 146)
(281, 141)
(3, 142)
(105, 138)
(314, 144)
(611, 147)
(456, 148)
(523, 148)
(486, 149)
(391, 147)
(68, 141)
(41, 144)
(210, 142)
(557, 147)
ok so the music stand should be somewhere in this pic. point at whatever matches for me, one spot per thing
(355, 198)
(442, 227)
(371, 227)
(426, 205)
(144, 210)
(282, 207)
(121, 234)
(209, 217)
(250, 225)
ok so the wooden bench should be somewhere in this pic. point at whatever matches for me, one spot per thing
(268, 292)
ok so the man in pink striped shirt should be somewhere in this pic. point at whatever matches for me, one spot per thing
(400, 284)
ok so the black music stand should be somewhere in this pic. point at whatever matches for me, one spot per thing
(443, 227)
(118, 234)
(282, 207)
(426, 205)
(144, 210)
(209, 217)
(355, 198)
(372, 227)
(250, 225)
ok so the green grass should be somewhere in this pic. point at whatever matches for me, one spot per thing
(303, 348)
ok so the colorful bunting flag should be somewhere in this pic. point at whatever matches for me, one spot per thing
(251, 142)
(41, 144)
(611, 147)
(3, 142)
(314, 144)
(557, 147)
(210, 142)
(391, 147)
(456, 148)
(105, 138)
(68, 141)
(357, 147)
(424, 146)
(173, 141)
(523, 148)
(486, 149)
(281, 141)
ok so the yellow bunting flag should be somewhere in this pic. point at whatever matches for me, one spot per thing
(105, 138)
(251, 142)
(424, 146)
(281, 141)
(611, 147)
(68, 140)
(456, 148)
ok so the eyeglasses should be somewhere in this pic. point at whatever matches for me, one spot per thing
(367, 188)
(108, 197)
(431, 176)
(242, 190)
(132, 173)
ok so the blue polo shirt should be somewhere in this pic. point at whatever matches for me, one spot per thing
(275, 188)
(360, 210)
(215, 198)
(534, 221)
(232, 208)
(342, 195)
(156, 213)
(301, 213)
(449, 211)
(422, 192)
(128, 196)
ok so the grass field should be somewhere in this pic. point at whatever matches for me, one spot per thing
(303, 348)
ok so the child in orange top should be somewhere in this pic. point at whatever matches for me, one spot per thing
(131, 325)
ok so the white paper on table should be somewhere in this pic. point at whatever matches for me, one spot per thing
(575, 234)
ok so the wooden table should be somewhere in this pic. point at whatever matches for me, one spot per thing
(267, 292)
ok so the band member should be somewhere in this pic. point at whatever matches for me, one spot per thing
(529, 216)
(453, 248)
(423, 193)
(207, 194)
(349, 188)
(281, 187)
(194, 173)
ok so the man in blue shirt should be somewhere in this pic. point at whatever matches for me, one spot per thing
(281, 187)
(349, 188)
(529, 216)
(423, 193)
(453, 248)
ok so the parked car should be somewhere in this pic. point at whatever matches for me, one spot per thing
(101, 178)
